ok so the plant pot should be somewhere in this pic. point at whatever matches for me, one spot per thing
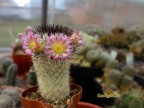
(87, 105)
(139, 80)
(23, 62)
(85, 77)
(27, 103)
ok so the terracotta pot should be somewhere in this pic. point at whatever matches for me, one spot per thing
(27, 103)
(23, 62)
(87, 105)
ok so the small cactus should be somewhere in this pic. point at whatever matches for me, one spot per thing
(7, 102)
(114, 76)
(112, 64)
(32, 78)
(88, 46)
(1, 65)
(128, 70)
(6, 63)
(125, 82)
(113, 40)
(131, 99)
(11, 74)
(92, 55)
(103, 58)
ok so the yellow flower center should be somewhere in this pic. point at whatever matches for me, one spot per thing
(32, 44)
(38, 46)
(58, 48)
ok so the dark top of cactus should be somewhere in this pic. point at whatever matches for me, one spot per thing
(53, 29)
(118, 30)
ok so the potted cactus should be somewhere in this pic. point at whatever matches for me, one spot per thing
(51, 48)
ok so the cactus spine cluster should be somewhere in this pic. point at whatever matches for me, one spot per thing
(11, 74)
(52, 76)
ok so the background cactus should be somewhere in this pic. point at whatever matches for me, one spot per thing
(32, 78)
(112, 64)
(128, 70)
(1, 66)
(113, 40)
(95, 32)
(131, 99)
(92, 55)
(137, 48)
(7, 102)
(125, 82)
(4, 64)
(11, 74)
(114, 77)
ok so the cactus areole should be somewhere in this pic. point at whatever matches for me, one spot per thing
(51, 48)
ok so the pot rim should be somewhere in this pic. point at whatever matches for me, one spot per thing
(88, 104)
(30, 100)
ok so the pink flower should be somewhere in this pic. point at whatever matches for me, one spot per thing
(76, 38)
(30, 42)
(59, 47)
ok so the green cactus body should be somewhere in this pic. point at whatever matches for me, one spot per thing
(7, 102)
(111, 64)
(88, 46)
(128, 70)
(1, 66)
(115, 76)
(52, 76)
(11, 74)
(125, 82)
(32, 78)
(103, 58)
(131, 99)
(136, 103)
(6, 63)
(92, 55)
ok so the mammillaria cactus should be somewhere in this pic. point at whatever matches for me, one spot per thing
(125, 82)
(137, 48)
(51, 48)
(7, 102)
(112, 64)
(113, 40)
(92, 55)
(11, 74)
(118, 30)
(128, 70)
(131, 99)
(114, 76)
